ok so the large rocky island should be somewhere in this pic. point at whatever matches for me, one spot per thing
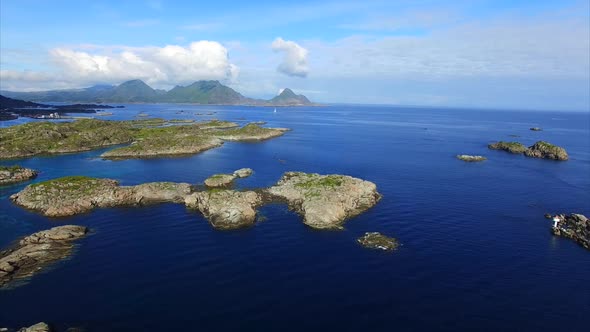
(324, 201)
(144, 138)
(35, 252)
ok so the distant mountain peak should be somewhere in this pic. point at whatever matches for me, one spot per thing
(288, 98)
(288, 93)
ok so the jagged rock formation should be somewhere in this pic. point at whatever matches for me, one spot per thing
(15, 174)
(575, 226)
(546, 150)
(226, 209)
(38, 250)
(376, 240)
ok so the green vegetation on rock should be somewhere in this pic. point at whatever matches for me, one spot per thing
(542, 149)
(12, 168)
(513, 147)
(149, 137)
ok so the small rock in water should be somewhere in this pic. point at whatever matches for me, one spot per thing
(469, 158)
(536, 129)
(376, 240)
(243, 172)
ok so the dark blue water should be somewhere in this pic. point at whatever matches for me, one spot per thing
(477, 253)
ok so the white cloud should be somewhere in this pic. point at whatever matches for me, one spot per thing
(159, 66)
(502, 48)
(294, 60)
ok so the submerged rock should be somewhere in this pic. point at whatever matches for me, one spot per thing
(15, 174)
(546, 150)
(376, 240)
(575, 226)
(325, 201)
(226, 209)
(38, 250)
(512, 147)
(469, 158)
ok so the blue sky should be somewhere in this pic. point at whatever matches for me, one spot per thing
(491, 54)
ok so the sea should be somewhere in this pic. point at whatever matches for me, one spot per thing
(477, 253)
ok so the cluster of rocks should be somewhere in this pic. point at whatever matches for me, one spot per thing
(15, 174)
(225, 180)
(324, 201)
(38, 250)
(470, 158)
(573, 226)
(540, 149)
(376, 240)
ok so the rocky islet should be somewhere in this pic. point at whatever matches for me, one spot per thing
(36, 251)
(15, 174)
(573, 226)
(540, 149)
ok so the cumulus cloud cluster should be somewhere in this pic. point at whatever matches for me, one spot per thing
(160, 66)
(294, 58)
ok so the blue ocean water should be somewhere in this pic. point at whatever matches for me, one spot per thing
(477, 253)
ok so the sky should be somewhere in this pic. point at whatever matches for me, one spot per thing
(477, 53)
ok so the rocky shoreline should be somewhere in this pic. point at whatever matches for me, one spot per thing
(324, 201)
(15, 174)
(574, 226)
(540, 149)
(36, 251)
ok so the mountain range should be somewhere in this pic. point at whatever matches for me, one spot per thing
(137, 91)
